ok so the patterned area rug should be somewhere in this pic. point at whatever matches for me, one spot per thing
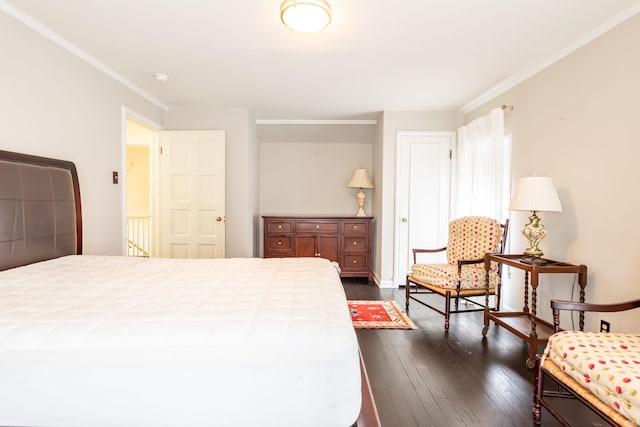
(379, 315)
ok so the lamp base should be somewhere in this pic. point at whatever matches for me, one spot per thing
(534, 232)
(360, 196)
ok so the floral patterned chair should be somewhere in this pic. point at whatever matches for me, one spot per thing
(464, 275)
(600, 369)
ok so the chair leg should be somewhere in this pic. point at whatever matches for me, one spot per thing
(537, 392)
(447, 310)
(406, 295)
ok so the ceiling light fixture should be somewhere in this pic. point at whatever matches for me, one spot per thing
(305, 16)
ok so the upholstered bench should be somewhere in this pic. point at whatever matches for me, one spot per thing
(601, 369)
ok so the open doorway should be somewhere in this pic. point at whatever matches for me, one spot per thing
(139, 236)
(174, 195)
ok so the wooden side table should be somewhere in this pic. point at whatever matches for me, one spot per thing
(525, 324)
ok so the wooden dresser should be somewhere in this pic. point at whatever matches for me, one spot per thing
(344, 239)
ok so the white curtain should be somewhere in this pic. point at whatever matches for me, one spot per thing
(481, 164)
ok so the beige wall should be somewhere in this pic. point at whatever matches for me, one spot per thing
(304, 169)
(254, 237)
(54, 104)
(311, 178)
(576, 121)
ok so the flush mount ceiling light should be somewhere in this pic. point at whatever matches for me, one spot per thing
(305, 16)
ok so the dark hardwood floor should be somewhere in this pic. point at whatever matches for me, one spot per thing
(425, 377)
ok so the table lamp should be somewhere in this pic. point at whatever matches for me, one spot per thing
(535, 194)
(360, 179)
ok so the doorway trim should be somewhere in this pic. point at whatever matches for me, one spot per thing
(127, 113)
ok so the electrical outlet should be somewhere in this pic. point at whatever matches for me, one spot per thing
(604, 326)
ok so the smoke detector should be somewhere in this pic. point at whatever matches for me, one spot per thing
(162, 78)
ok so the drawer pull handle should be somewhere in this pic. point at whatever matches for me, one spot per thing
(317, 226)
(279, 242)
(317, 254)
(355, 262)
(355, 243)
(355, 227)
(279, 225)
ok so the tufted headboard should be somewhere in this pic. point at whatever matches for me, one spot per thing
(40, 213)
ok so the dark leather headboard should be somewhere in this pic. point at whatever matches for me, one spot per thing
(40, 214)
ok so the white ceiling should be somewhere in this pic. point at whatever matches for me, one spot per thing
(400, 55)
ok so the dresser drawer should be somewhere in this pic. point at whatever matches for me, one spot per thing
(317, 227)
(355, 243)
(355, 227)
(279, 226)
(279, 243)
(355, 262)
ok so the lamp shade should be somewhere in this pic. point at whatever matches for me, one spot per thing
(360, 179)
(535, 193)
(305, 16)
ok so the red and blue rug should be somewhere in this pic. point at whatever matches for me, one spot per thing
(379, 315)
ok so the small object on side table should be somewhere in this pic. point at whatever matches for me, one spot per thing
(534, 260)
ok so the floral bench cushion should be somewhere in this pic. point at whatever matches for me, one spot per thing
(608, 365)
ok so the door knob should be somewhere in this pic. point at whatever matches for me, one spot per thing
(404, 220)
(219, 218)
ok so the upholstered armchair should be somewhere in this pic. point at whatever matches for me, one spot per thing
(464, 275)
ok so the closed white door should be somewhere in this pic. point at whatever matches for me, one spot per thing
(192, 194)
(423, 173)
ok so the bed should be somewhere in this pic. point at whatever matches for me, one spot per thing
(88, 340)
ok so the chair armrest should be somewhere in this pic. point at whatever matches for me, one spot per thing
(430, 251)
(415, 251)
(557, 305)
(462, 262)
(584, 306)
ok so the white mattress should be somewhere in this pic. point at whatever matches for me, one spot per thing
(119, 341)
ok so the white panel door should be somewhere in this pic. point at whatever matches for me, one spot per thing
(192, 194)
(423, 173)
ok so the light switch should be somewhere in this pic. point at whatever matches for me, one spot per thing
(115, 177)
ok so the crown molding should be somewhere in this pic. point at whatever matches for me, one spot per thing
(65, 44)
(517, 78)
(314, 122)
